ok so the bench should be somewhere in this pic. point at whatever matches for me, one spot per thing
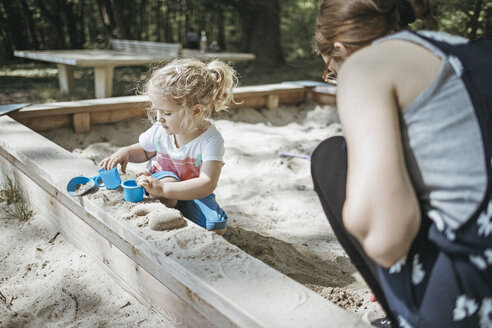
(147, 47)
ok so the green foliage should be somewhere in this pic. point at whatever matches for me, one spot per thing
(297, 27)
(468, 18)
(70, 24)
(19, 208)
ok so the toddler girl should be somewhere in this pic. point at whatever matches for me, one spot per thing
(183, 148)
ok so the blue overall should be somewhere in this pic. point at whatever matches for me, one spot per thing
(446, 278)
(205, 211)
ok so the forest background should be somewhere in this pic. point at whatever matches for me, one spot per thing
(278, 32)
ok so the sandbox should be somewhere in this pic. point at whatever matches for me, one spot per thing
(192, 277)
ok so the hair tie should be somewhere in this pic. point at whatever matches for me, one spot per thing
(405, 11)
(178, 69)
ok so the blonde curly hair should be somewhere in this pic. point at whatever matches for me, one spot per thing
(190, 82)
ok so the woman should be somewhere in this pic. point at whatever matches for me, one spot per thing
(407, 190)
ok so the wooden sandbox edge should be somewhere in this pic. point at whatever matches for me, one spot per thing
(169, 285)
(82, 114)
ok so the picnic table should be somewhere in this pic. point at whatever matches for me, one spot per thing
(126, 53)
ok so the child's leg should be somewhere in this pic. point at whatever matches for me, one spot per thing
(205, 212)
(329, 172)
(167, 201)
(167, 177)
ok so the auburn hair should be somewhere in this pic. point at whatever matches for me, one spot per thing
(357, 23)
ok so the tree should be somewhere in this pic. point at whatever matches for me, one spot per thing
(463, 17)
(260, 22)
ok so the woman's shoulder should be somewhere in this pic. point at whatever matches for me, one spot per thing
(380, 55)
(371, 66)
(399, 67)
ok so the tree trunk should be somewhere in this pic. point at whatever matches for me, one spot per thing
(141, 35)
(14, 23)
(106, 13)
(71, 17)
(221, 28)
(260, 21)
(55, 21)
(5, 40)
(158, 20)
(81, 15)
(167, 27)
(33, 41)
(122, 24)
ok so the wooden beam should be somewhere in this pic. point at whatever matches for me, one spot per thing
(325, 95)
(272, 101)
(235, 290)
(81, 122)
(42, 117)
(126, 272)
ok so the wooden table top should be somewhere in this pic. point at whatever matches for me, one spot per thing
(94, 58)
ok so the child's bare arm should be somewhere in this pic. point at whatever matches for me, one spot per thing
(195, 188)
(133, 153)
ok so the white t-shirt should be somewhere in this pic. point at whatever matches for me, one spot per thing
(187, 160)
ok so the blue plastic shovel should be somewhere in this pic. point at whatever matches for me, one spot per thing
(74, 184)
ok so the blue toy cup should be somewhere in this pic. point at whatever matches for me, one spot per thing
(131, 191)
(111, 179)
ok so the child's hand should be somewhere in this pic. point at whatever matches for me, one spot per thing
(120, 157)
(151, 184)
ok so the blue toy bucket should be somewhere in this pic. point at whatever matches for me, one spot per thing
(131, 191)
(110, 178)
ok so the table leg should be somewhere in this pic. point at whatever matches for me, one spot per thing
(103, 81)
(65, 78)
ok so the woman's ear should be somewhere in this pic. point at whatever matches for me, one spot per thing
(341, 48)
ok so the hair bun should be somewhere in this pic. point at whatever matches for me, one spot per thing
(215, 74)
(405, 11)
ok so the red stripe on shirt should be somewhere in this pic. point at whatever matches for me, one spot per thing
(184, 168)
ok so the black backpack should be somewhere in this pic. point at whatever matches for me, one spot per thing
(476, 58)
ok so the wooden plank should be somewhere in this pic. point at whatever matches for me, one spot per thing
(82, 106)
(109, 110)
(325, 95)
(105, 57)
(236, 290)
(272, 101)
(93, 58)
(47, 122)
(112, 116)
(171, 49)
(224, 56)
(81, 122)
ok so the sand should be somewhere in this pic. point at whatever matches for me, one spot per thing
(274, 215)
(46, 282)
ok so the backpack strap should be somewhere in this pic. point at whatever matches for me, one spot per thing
(476, 59)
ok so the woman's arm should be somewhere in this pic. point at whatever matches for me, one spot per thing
(381, 209)
(133, 153)
(190, 189)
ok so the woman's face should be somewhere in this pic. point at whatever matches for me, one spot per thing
(331, 70)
